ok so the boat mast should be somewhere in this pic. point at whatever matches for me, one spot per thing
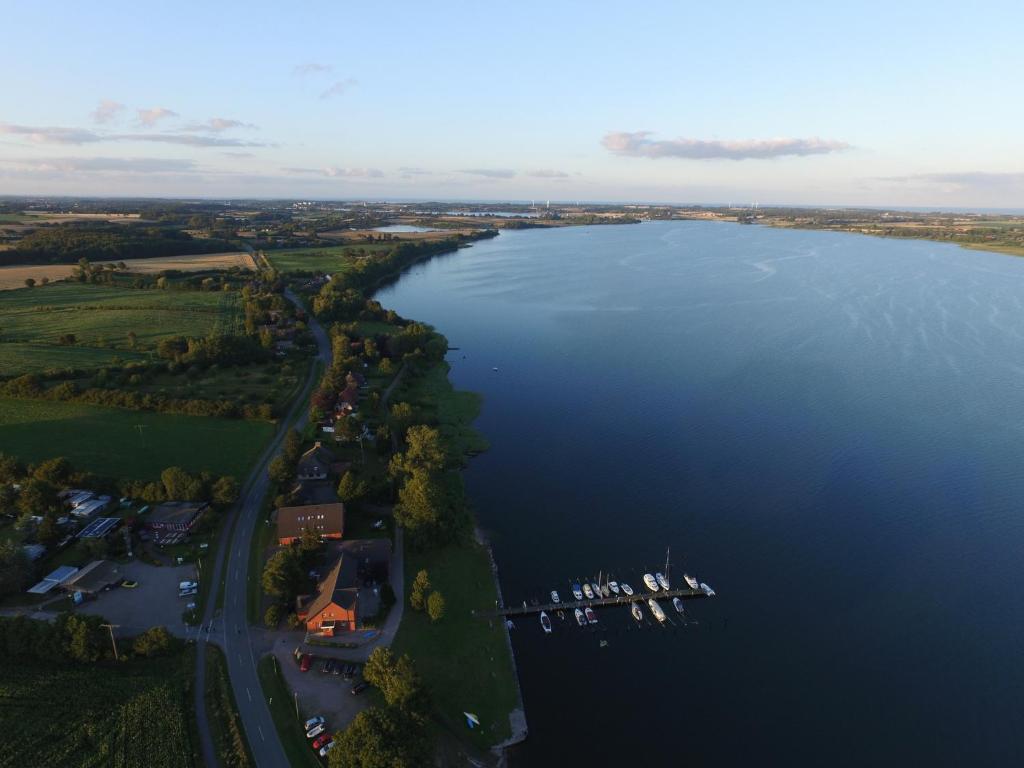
(667, 549)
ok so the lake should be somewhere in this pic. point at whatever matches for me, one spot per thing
(826, 427)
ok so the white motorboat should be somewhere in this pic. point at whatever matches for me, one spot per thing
(591, 616)
(605, 591)
(707, 590)
(656, 609)
(651, 582)
(614, 587)
(690, 581)
(545, 622)
(677, 604)
(627, 589)
(576, 591)
(596, 589)
(580, 618)
(554, 596)
(588, 591)
(637, 613)
(662, 580)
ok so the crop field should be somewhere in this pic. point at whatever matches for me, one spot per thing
(113, 715)
(335, 258)
(32, 321)
(119, 443)
(14, 277)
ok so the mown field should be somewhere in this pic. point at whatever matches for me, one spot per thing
(32, 321)
(114, 715)
(14, 276)
(464, 661)
(119, 443)
(331, 259)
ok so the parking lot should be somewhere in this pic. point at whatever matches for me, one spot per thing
(321, 693)
(154, 602)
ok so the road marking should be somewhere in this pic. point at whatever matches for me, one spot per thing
(248, 693)
(261, 733)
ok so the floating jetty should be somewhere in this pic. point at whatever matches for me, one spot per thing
(523, 610)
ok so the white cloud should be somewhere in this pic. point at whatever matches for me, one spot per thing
(50, 134)
(107, 110)
(104, 164)
(338, 87)
(336, 172)
(216, 125)
(312, 68)
(150, 117)
(637, 144)
(547, 173)
(490, 173)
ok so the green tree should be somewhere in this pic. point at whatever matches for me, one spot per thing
(382, 737)
(420, 505)
(397, 680)
(423, 452)
(224, 491)
(402, 417)
(309, 543)
(83, 638)
(279, 471)
(152, 642)
(179, 485)
(54, 471)
(291, 450)
(30, 282)
(435, 606)
(351, 489)
(11, 469)
(38, 497)
(283, 575)
(14, 568)
(48, 533)
(273, 616)
(418, 594)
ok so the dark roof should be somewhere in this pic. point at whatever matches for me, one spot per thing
(94, 577)
(322, 518)
(340, 586)
(317, 460)
(175, 512)
(314, 492)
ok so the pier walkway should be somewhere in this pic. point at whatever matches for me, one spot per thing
(523, 610)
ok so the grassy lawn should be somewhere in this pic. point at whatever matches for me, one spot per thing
(451, 411)
(263, 538)
(282, 709)
(133, 712)
(1012, 250)
(32, 357)
(108, 441)
(222, 713)
(464, 660)
(330, 259)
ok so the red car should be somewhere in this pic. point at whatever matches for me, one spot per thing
(323, 741)
(306, 663)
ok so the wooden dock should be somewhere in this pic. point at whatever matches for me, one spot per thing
(523, 610)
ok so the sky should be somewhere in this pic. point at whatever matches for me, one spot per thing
(816, 103)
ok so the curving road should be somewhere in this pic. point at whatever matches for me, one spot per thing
(231, 629)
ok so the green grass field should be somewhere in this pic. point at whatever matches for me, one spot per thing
(331, 259)
(108, 441)
(282, 709)
(451, 411)
(222, 713)
(32, 320)
(463, 660)
(115, 714)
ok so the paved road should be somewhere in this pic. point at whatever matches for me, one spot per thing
(231, 630)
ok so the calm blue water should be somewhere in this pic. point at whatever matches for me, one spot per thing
(828, 428)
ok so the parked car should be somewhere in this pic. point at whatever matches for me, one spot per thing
(337, 668)
(305, 663)
(315, 731)
(129, 584)
(313, 721)
(350, 671)
(325, 750)
(183, 585)
(359, 687)
(188, 592)
(322, 740)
